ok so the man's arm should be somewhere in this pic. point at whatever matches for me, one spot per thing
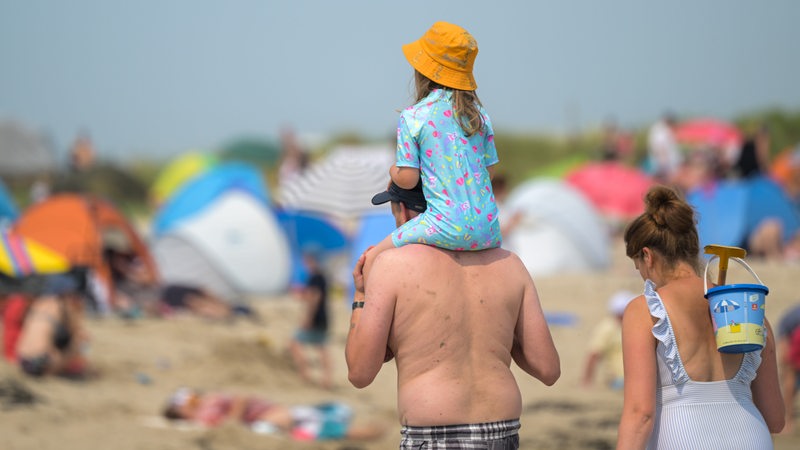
(533, 349)
(366, 347)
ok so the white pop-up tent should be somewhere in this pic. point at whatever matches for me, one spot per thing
(220, 233)
(560, 230)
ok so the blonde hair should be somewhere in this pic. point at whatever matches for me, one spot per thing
(465, 103)
(667, 226)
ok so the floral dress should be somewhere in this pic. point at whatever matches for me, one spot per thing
(462, 213)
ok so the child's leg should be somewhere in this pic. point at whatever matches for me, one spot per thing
(372, 253)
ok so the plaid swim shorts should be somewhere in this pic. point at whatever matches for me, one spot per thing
(502, 435)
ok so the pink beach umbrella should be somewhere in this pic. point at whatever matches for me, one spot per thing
(616, 190)
(708, 132)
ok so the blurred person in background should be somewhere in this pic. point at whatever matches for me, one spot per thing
(664, 154)
(788, 337)
(313, 329)
(53, 337)
(754, 154)
(605, 343)
(322, 421)
(293, 161)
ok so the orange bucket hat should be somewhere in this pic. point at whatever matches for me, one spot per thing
(445, 54)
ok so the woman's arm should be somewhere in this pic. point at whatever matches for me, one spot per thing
(766, 387)
(639, 359)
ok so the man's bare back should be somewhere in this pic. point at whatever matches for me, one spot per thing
(453, 321)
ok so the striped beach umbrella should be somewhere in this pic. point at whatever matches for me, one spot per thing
(342, 184)
(726, 306)
(20, 256)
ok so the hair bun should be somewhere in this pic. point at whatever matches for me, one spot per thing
(668, 210)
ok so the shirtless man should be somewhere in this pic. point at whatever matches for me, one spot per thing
(454, 321)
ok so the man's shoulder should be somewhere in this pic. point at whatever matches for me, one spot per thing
(417, 253)
(408, 251)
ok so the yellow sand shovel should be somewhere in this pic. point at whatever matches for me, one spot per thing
(724, 252)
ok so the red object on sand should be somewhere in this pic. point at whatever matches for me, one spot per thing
(13, 317)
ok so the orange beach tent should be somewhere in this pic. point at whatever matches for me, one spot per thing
(74, 225)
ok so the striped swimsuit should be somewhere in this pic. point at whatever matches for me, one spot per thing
(701, 415)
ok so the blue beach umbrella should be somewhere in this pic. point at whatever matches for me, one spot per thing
(307, 231)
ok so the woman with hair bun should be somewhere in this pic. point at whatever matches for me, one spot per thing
(680, 391)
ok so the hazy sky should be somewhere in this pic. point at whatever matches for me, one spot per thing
(165, 76)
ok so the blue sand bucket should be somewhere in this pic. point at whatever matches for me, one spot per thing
(738, 313)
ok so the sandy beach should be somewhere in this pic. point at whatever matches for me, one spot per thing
(143, 360)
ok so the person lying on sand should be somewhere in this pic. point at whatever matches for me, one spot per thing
(52, 336)
(331, 420)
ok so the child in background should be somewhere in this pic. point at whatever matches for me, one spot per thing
(313, 330)
(605, 344)
(445, 142)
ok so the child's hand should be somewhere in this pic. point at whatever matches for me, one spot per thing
(358, 275)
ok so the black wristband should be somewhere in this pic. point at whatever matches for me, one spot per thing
(357, 305)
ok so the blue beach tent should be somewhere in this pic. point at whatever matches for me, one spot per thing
(728, 211)
(196, 194)
(8, 209)
(218, 231)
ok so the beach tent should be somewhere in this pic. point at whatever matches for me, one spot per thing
(309, 232)
(194, 195)
(219, 232)
(8, 208)
(785, 167)
(23, 151)
(728, 211)
(342, 184)
(75, 225)
(180, 170)
(768, 200)
(615, 189)
(371, 230)
(560, 230)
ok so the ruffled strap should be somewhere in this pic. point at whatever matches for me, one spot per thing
(662, 331)
(750, 364)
